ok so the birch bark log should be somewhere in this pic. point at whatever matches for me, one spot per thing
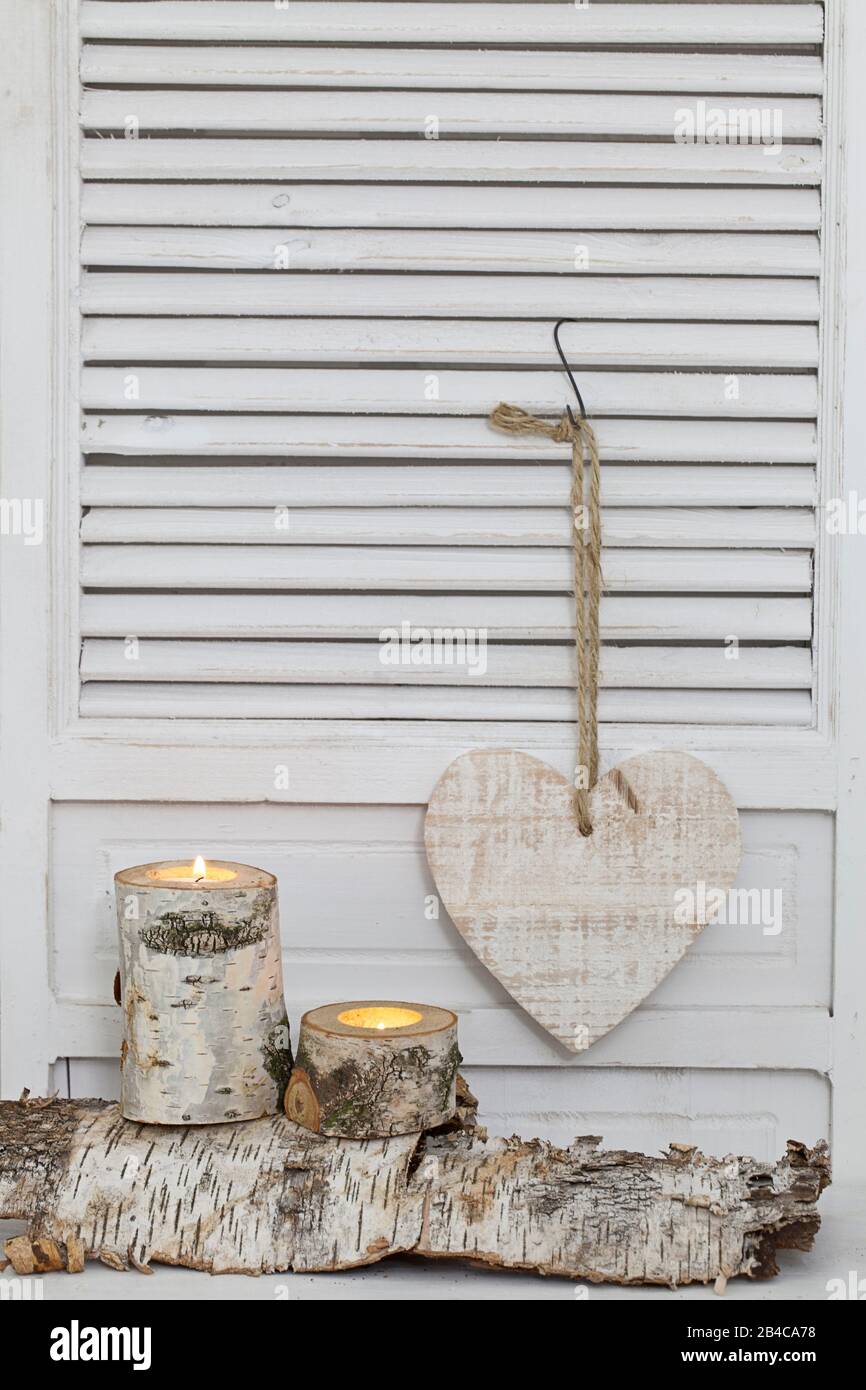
(269, 1196)
(206, 1037)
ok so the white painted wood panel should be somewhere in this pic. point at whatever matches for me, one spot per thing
(331, 863)
(697, 350)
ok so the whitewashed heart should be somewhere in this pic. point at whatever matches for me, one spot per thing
(578, 929)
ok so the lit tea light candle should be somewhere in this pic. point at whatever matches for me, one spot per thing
(199, 871)
(373, 1068)
(206, 1038)
(380, 1017)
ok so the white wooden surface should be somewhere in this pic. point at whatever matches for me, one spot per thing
(29, 423)
(703, 265)
(580, 929)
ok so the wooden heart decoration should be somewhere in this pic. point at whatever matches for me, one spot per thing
(580, 930)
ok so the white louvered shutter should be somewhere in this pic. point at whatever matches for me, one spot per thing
(299, 308)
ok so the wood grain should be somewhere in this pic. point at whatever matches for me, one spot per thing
(579, 931)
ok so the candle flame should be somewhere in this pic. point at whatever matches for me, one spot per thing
(199, 868)
(379, 1018)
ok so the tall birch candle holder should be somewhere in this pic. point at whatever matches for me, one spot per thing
(206, 1037)
(374, 1068)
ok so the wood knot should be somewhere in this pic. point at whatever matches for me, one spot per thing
(300, 1103)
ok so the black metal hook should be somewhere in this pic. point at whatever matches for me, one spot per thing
(567, 369)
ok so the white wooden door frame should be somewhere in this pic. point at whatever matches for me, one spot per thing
(849, 992)
(48, 754)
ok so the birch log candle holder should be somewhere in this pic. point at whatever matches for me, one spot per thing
(372, 1069)
(206, 1037)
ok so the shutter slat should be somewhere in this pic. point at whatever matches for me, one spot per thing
(755, 527)
(445, 569)
(739, 25)
(425, 485)
(361, 663)
(457, 393)
(524, 253)
(303, 436)
(412, 205)
(432, 342)
(528, 616)
(475, 69)
(450, 296)
(536, 114)
(117, 700)
(475, 161)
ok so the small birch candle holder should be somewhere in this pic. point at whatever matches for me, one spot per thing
(371, 1069)
(206, 1037)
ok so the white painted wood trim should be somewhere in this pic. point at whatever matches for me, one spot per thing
(33, 285)
(791, 1039)
(844, 674)
(390, 763)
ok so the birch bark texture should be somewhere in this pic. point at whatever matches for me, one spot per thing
(356, 1080)
(206, 1035)
(269, 1196)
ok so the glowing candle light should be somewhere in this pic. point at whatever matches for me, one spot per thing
(199, 871)
(380, 1017)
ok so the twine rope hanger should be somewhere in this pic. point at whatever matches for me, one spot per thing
(587, 577)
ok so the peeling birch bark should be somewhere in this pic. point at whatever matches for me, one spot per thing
(355, 1082)
(206, 1037)
(268, 1196)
